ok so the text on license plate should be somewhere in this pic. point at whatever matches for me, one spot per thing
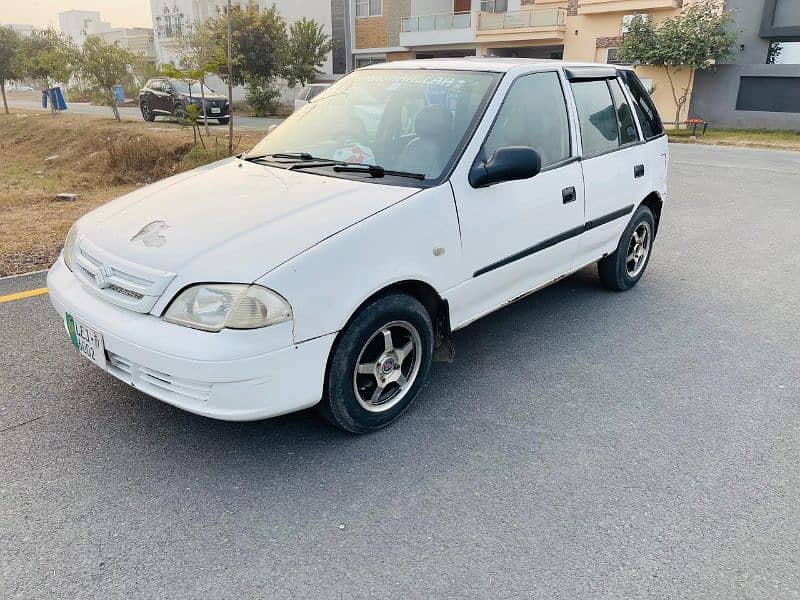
(215, 110)
(88, 341)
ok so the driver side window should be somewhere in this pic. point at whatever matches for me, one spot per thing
(534, 114)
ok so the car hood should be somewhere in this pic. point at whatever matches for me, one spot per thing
(232, 220)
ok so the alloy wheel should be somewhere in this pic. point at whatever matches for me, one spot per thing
(638, 249)
(387, 366)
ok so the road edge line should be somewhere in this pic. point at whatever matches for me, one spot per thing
(23, 274)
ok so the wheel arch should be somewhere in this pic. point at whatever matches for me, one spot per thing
(437, 307)
(654, 202)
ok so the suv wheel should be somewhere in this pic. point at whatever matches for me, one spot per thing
(624, 268)
(147, 113)
(378, 364)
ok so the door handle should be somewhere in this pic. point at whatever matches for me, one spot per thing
(568, 195)
(638, 171)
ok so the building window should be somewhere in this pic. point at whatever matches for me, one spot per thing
(627, 19)
(769, 94)
(494, 5)
(783, 53)
(365, 61)
(369, 8)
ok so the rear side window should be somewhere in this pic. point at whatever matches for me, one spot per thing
(534, 114)
(597, 117)
(645, 109)
(627, 126)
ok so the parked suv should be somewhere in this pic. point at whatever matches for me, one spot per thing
(171, 97)
(330, 263)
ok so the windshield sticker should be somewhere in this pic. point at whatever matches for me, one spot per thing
(355, 154)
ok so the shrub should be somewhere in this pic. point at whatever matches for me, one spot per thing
(263, 98)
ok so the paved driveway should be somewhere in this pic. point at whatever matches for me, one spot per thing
(585, 444)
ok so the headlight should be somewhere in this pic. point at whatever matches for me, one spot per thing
(213, 307)
(69, 246)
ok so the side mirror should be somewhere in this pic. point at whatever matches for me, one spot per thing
(271, 128)
(506, 164)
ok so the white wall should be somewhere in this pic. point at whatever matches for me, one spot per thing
(431, 7)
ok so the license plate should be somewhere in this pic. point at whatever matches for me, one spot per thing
(215, 111)
(88, 342)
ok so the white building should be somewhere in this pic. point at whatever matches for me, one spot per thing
(138, 40)
(80, 24)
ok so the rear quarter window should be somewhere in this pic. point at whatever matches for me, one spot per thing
(643, 104)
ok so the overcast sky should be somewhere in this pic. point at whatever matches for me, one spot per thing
(121, 13)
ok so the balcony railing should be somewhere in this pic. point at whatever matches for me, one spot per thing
(441, 22)
(522, 19)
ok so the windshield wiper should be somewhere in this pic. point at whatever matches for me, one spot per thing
(375, 171)
(286, 155)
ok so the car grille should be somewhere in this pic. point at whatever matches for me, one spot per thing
(160, 385)
(117, 280)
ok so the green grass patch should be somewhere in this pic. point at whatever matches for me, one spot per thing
(759, 138)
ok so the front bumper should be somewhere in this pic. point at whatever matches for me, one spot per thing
(230, 375)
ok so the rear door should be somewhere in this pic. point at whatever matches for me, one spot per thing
(519, 235)
(612, 158)
(656, 149)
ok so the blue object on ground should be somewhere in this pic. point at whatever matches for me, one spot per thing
(56, 96)
(119, 94)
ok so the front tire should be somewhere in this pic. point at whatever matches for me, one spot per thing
(624, 268)
(147, 112)
(378, 364)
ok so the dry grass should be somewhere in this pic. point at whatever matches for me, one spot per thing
(96, 158)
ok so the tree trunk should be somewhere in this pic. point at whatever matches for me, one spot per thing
(675, 98)
(50, 97)
(203, 100)
(230, 85)
(3, 88)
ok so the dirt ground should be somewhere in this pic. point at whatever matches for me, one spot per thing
(97, 159)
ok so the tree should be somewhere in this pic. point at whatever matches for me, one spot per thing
(259, 43)
(105, 66)
(47, 57)
(10, 42)
(201, 54)
(693, 40)
(308, 49)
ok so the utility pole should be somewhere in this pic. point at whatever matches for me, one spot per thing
(230, 85)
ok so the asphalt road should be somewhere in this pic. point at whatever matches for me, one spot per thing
(585, 444)
(133, 114)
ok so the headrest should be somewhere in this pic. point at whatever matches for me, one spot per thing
(433, 121)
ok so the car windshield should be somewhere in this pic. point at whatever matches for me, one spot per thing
(192, 89)
(411, 120)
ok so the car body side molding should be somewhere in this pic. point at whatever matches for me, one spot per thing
(561, 237)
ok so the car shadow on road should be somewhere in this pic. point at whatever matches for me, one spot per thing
(484, 350)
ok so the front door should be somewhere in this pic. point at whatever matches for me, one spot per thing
(520, 235)
(461, 6)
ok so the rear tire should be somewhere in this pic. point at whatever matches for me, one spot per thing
(624, 268)
(373, 376)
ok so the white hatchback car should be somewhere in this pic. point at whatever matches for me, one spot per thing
(333, 261)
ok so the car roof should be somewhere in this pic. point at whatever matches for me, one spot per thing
(478, 63)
